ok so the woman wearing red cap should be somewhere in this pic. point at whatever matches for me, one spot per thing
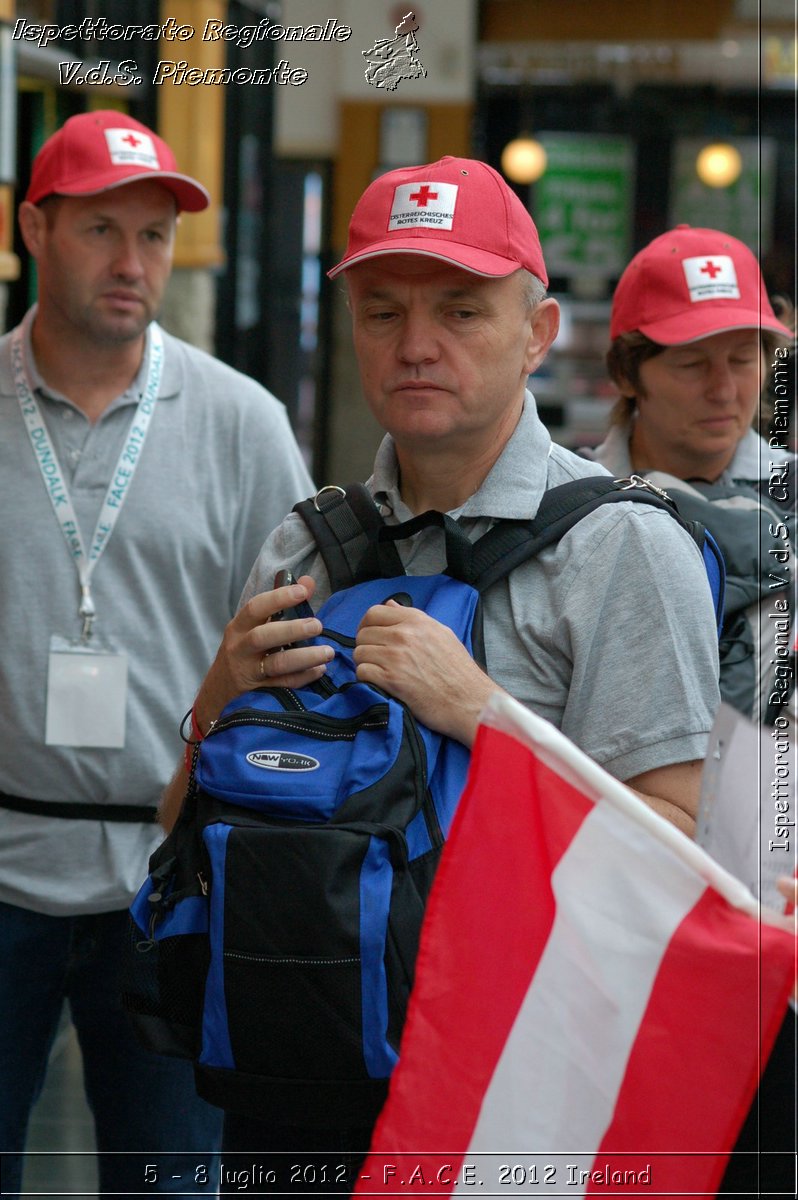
(695, 344)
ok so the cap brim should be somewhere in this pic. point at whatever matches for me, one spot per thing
(190, 195)
(478, 262)
(692, 326)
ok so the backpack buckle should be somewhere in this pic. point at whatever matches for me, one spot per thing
(330, 487)
(637, 481)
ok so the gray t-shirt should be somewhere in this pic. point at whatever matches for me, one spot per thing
(751, 528)
(609, 634)
(219, 469)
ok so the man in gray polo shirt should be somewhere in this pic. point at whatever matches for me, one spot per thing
(164, 470)
(610, 634)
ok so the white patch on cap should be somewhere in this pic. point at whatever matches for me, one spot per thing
(128, 147)
(430, 205)
(711, 277)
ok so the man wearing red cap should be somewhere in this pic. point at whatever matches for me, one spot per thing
(163, 469)
(610, 634)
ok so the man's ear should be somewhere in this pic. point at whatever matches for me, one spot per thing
(32, 226)
(544, 324)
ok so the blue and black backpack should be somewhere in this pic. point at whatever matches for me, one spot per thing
(274, 941)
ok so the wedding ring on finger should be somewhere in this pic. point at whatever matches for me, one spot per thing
(263, 658)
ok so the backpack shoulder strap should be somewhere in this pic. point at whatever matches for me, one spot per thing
(357, 546)
(510, 543)
(345, 524)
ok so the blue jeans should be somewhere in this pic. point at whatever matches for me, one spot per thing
(143, 1104)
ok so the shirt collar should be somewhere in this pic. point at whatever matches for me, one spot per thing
(751, 460)
(171, 375)
(520, 471)
(613, 452)
(753, 457)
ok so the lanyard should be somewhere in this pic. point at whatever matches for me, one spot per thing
(55, 483)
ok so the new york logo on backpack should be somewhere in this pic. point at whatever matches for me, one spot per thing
(274, 941)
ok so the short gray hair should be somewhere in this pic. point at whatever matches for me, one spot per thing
(533, 289)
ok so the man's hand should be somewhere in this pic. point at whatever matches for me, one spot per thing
(257, 651)
(421, 662)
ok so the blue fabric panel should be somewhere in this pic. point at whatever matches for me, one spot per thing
(189, 916)
(376, 877)
(448, 781)
(331, 767)
(447, 600)
(216, 1048)
(716, 573)
(417, 835)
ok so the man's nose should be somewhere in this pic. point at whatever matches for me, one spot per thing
(418, 341)
(127, 260)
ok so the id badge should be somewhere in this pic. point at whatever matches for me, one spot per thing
(86, 695)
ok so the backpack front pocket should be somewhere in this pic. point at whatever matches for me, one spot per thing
(301, 763)
(298, 926)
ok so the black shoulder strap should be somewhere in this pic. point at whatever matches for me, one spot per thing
(346, 524)
(509, 543)
(459, 548)
(356, 544)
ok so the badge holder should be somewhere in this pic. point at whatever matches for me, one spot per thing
(86, 690)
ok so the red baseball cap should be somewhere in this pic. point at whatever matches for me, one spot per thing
(458, 210)
(688, 284)
(96, 151)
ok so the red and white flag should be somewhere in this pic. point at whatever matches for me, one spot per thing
(595, 997)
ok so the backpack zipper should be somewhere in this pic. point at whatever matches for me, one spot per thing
(303, 721)
(420, 760)
(325, 686)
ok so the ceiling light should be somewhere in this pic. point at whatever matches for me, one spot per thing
(523, 160)
(719, 165)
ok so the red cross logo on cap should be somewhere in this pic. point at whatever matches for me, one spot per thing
(131, 140)
(423, 196)
(711, 269)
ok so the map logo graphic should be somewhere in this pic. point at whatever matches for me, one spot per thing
(390, 60)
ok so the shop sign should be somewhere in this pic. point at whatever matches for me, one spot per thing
(582, 205)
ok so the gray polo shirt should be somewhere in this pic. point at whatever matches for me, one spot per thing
(752, 457)
(219, 469)
(609, 634)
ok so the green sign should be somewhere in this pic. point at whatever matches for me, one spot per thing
(582, 204)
